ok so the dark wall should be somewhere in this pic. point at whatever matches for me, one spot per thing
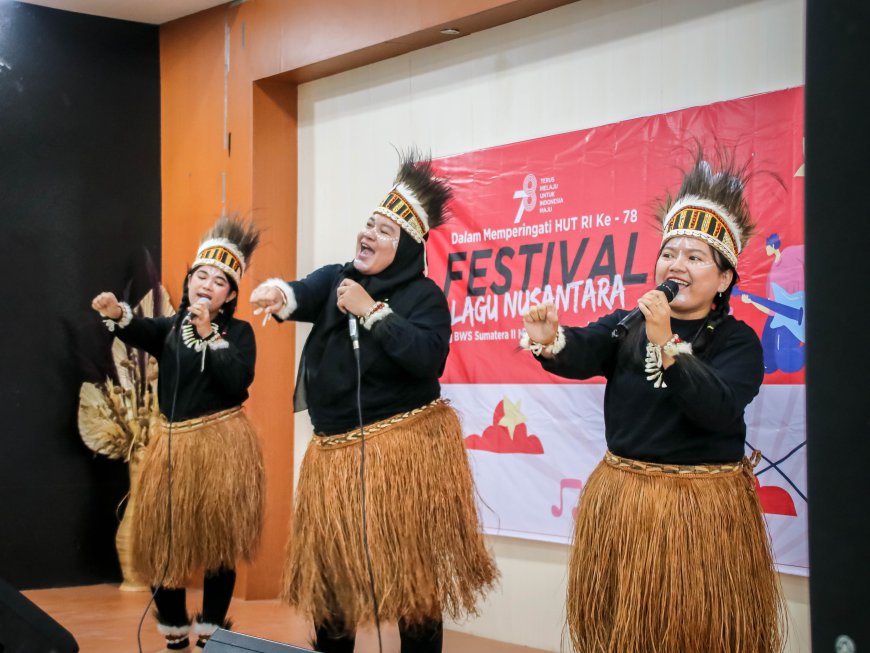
(838, 321)
(79, 200)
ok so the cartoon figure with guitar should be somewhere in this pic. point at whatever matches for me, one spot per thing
(783, 336)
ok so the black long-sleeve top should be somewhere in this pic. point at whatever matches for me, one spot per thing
(697, 418)
(402, 356)
(221, 384)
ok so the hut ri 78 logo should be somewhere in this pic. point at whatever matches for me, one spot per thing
(527, 195)
(542, 194)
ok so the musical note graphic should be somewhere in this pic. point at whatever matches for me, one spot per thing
(566, 484)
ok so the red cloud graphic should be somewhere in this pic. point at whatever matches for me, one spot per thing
(775, 500)
(497, 437)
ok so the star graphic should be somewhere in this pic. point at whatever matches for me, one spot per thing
(512, 415)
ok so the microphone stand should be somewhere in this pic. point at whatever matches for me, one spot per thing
(353, 327)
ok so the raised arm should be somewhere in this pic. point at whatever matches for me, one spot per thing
(717, 391)
(570, 352)
(417, 338)
(231, 359)
(300, 300)
(148, 334)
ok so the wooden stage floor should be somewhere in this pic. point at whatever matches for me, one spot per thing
(104, 620)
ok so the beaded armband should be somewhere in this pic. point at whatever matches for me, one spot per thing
(653, 362)
(538, 348)
(376, 313)
(121, 322)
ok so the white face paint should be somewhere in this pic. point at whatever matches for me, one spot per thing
(376, 245)
(209, 282)
(691, 263)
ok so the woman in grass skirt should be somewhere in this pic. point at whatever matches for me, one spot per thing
(206, 361)
(670, 549)
(427, 552)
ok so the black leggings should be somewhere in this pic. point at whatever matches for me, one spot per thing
(217, 592)
(422, 638)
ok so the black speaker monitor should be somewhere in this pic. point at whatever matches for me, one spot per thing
(224, 641)
(25, 628)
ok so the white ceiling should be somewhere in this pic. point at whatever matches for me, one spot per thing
(155, 12)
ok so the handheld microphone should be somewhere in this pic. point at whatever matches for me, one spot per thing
(201, 300)
(353, 328)
(670, 288)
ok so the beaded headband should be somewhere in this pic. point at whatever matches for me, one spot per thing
(700, 218)
(222, 254)
(402, 207)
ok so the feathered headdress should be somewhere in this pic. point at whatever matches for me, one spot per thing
(710, 206)
(228, 245)
(418, 198)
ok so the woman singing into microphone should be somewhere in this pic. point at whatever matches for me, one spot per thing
(670, 550)
(427, 553)
(206, 361)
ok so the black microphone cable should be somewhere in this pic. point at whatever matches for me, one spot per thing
(362, 477)
(169, 493)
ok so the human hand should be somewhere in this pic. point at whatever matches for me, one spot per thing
(350, 296)
(657, 312)
(199, 315)
(267, 299)
(542, 323)
(106, 304)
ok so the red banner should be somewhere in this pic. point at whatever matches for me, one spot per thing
(569, 219)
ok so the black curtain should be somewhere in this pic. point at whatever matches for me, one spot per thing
(79, 204)
(838, 321)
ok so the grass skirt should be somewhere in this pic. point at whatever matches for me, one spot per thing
(672, 559)
(217, 498)
(427, 551)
